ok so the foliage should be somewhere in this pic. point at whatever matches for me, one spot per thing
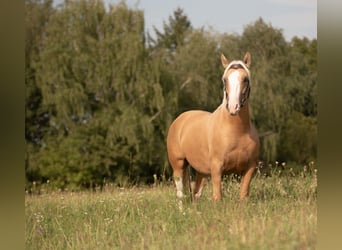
(36, 19)
(174, 32)
(101, 93)
(302, 147)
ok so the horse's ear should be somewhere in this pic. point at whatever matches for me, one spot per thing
(247, 59)
(224, 61)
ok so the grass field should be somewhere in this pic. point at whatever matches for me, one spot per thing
(281, 213)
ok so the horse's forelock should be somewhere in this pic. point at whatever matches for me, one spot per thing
(236, 65)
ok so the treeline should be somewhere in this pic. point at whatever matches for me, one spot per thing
(101, 92)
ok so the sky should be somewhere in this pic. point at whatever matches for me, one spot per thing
(293, 17)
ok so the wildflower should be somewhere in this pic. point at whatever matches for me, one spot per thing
(291, 172)
(41, 230)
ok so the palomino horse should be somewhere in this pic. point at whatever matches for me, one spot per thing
(217, 143)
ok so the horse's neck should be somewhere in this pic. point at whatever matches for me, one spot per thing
(239, 123)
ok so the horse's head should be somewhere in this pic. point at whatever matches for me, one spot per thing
(236, 82)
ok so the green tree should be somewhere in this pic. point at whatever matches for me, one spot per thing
(174, 32)
(269, 73)
(92, 76)
(37, 14)
(100, 99)
(303, 84)
(198, 72)
(299, 138)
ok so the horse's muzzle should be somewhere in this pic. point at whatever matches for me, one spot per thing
(233, 110)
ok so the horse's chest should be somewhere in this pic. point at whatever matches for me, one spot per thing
(236, 158)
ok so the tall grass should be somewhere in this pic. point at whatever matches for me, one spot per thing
(279, 214)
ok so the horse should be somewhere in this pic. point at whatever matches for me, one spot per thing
(222, 142)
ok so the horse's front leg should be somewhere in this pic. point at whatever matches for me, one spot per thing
(200, 182)
(216, 176)
(245, 182)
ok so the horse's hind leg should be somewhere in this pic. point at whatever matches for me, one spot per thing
(180, 175)
(200, 182)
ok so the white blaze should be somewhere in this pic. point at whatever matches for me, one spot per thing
(234, 92)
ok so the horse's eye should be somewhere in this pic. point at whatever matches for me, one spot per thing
(246, 80)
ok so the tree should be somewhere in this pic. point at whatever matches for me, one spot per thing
(92, 75)
(303, 85)
(269, 73)
(37, 14)
(100, 99)
(174, 32)
(301, 92)
(199, 73)
(299, 139)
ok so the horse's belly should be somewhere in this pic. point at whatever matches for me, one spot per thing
(201, 164)
(197, 153)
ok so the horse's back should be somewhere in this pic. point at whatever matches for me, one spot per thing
(188, 122)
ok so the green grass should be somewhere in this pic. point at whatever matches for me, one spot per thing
(281, 213)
